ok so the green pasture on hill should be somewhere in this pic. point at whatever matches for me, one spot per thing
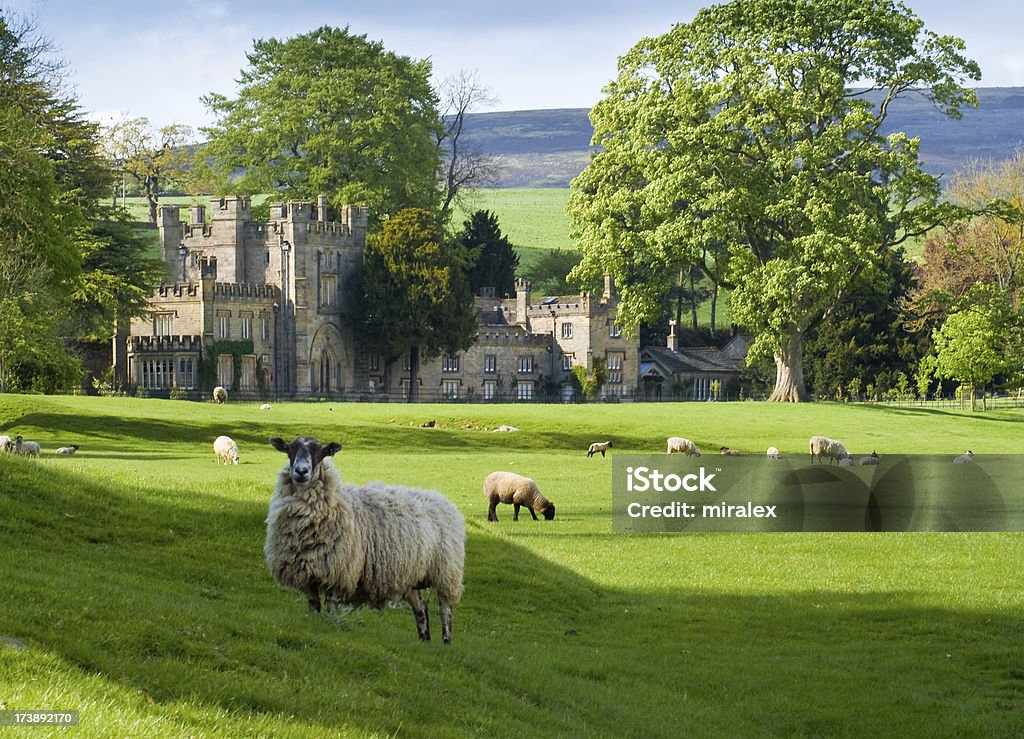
(136, 591)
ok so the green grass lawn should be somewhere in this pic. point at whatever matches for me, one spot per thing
(134, 576)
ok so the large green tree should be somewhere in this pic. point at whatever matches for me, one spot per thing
(415, 296)
(331, 112)
(68, 265)
(743, 128)
(492, 257)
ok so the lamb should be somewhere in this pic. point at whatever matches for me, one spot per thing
(679, 444)
(599, 446)
(27, 448)
(773, 453)
(870, 459)
(965, 458)
(265, 407)
(362, 544)
(730, 452)
(508, 487)
(510, 429)
(67, 450)
(220, 395)
(822, 446)
(6, 444)
(225, 448)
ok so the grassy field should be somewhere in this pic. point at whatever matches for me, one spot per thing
(134, 579)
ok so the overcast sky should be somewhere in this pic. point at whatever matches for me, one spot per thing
(155, 59)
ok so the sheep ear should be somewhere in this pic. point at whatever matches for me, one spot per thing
(279, 444)
(331, 449)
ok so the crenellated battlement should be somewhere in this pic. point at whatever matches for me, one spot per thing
(138, 344)
(189, 290)
(246, 290)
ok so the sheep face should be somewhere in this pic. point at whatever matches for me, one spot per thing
(549, 512)
(305, 453)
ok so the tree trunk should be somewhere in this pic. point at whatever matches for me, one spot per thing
(414, 374)
(789, 371)
(693, 301)
(714, 305)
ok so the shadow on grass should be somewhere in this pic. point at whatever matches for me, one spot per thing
(174, 602)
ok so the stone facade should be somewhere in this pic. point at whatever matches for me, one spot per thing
(258, 307)
(263, 308)
(525, 350)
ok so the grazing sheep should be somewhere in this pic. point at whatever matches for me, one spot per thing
(870, 459)
(965, 458)
(506, 428)
(846, 462)
(362, 544)
(265, 407)
(599, 446)
(220, 395)
(822, 446)
(6, 444)
(67, 450)
(679, 444)
(773, 453)
(730, 452)
(27, 448)
(225, 448)
(508, 487)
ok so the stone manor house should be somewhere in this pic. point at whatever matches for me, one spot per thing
(263, 309)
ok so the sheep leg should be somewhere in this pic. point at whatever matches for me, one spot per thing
(492, 513)
(446, 619)
(515, 515)
(533, 514)
(313, 598)
(419, 610)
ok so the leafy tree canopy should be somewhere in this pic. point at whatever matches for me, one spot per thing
(492, 257)
(415, 295)
(742, 128)
(331, 112)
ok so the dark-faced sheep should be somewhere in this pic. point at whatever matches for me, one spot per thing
(362, 544)
(599, 446)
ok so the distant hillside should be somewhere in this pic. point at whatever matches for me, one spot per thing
(547, 148)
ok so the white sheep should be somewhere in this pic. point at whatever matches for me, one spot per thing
(685, 446)
(67, 450)
(265, 407)
(362, 544)
(730, 452)
(965, 458)
(870, 459)
(519, 491)
(27, 448)
(220, 394)
(822, 446)
(225, 448)
(773, 453)
(510, 429)
(6, 444)
(599, 446)
(846, 462)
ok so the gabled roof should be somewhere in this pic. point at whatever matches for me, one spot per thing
(707, 360)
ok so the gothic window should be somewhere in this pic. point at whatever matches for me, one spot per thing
(566, 330)
(450, 363)
(524, 364)
(490, 363)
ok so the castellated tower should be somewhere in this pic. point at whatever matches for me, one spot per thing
(259, 307)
